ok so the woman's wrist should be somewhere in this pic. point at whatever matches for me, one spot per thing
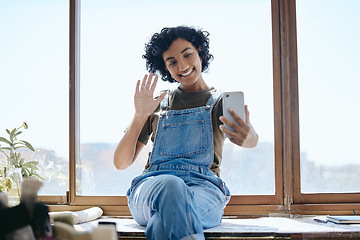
(251, 139)
(141, 116)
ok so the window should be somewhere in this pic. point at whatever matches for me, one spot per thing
(111, 62)
(328, 53)
(253, 53)
(34, 83)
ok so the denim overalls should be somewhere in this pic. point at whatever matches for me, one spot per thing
(178, 195)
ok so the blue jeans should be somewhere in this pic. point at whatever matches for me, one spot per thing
(178, 195)
(176, 208)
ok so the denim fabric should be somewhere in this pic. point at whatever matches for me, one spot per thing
(178, 195)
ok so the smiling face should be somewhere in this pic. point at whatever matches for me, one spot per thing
(183, 62)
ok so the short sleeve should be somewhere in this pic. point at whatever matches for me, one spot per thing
(217, 112)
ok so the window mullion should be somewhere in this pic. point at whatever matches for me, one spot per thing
(74, 80)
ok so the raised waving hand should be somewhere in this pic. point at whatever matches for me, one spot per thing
(144, 101)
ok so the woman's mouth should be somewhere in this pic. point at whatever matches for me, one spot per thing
(187, 73)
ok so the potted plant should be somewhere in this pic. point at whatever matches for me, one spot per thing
(13, 166)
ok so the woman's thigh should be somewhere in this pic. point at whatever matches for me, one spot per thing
(154, 191)
(206, 199)
(210, 202)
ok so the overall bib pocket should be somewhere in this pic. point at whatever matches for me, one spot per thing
(184, 139)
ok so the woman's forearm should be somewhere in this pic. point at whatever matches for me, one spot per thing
(128, 148)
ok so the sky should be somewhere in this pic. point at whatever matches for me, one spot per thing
(328, 58)
(34, 57)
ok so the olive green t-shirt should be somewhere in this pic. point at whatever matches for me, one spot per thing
(179, 100)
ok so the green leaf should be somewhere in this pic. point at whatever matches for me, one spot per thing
(17, 133)
(8, 131)
(33, 162)
(21, 146)
(28, 145)
(17, 157)
(30, 164)
(26, 165)
(12, 161)
(5, 140)
(34, 174)
(25, 172)
(12, 135)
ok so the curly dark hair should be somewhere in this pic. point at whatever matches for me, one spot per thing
(160, 42)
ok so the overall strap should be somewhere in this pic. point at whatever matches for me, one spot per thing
(214, 98)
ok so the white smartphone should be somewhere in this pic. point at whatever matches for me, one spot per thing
(235, 101)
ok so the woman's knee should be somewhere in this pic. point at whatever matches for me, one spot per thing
(171, 182)
(172, 189)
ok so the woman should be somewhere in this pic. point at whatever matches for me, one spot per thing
(180, 193)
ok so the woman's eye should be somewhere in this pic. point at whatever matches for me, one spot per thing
(171, 63)
(187, 55)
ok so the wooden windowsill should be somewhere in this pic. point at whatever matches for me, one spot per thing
(299, 227)
(236, 210)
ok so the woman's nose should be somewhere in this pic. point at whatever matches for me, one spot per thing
(183, 65)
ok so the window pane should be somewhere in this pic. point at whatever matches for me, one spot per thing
(328, 52)
(34, 77)
(113, 35)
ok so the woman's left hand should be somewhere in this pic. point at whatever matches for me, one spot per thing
(244, 134)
